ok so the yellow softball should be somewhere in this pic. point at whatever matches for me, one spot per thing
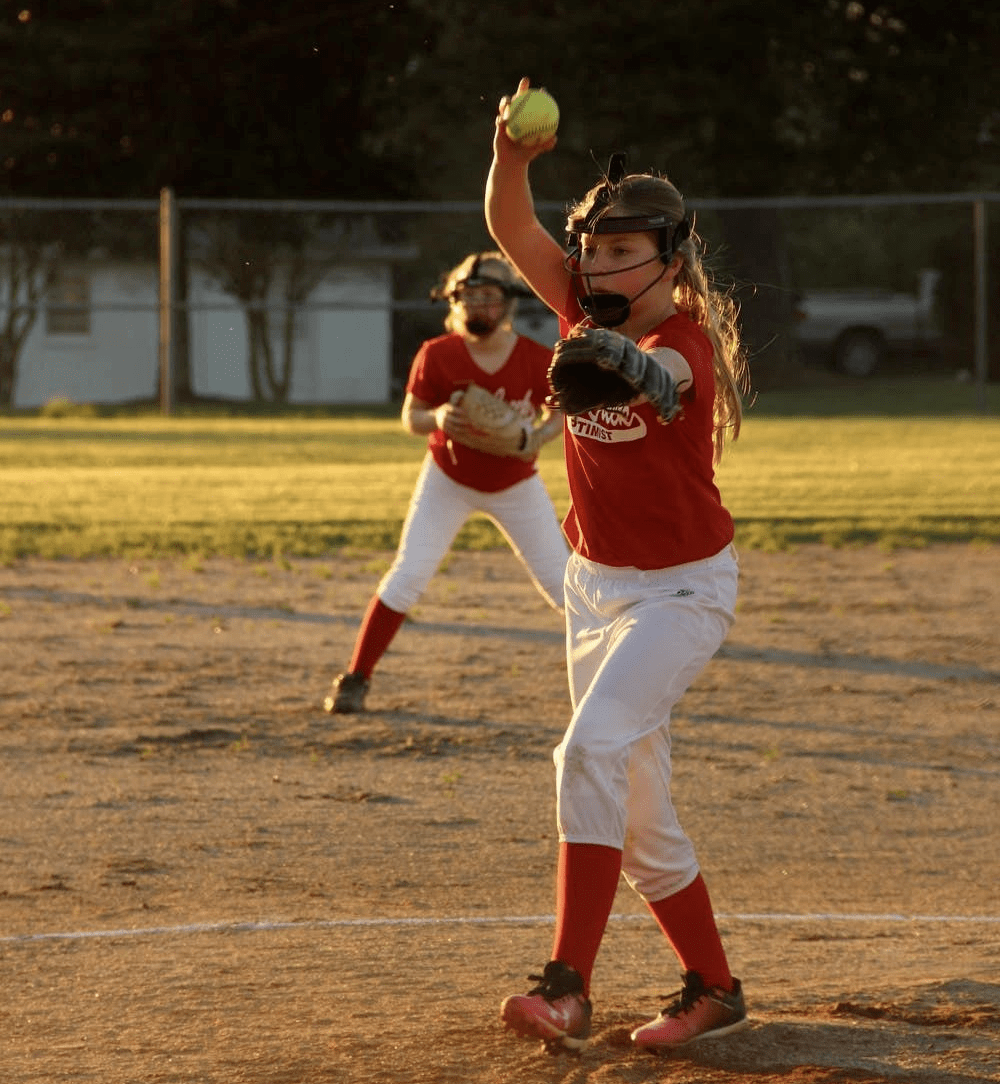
(532, 116)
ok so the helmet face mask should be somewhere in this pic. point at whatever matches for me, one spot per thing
(608, 309)
(479, 326)
(483, 305)
(479, 294)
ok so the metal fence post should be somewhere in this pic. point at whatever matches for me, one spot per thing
(168, 296)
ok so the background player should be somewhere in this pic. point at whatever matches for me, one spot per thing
(651, 584)
(467, 470)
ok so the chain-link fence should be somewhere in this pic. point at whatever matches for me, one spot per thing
(325, 302)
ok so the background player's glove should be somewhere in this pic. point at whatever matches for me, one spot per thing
(504, 431)
(597, 367)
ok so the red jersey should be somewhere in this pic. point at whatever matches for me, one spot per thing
(643, 493)
(442, 367)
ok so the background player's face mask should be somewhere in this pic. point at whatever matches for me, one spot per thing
(484, 307)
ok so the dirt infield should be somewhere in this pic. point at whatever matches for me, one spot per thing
(206, 879)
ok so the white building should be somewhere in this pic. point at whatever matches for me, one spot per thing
(96, 338)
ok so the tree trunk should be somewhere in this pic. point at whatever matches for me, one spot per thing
(284, 382)
(19, 323)
(8, 373)
(255, 346)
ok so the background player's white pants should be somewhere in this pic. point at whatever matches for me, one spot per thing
(523, 512)
(635, 641)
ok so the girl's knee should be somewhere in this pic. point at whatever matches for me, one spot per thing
(400, 593)
(656, 882)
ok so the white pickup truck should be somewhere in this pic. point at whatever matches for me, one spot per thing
(856, 330)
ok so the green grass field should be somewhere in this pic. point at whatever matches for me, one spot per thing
(896, 463)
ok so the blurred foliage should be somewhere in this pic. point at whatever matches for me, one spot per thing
(212, 97)
(371, 99)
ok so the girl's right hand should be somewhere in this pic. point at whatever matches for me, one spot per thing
(504, 148)
(452, 420)
(442, 415)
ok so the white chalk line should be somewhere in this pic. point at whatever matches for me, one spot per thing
(266, 926)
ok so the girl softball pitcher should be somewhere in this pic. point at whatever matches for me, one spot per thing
(467, 469)
(651, 582)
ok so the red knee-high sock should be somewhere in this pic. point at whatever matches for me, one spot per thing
(687, 919)
(378, 627)
(586, 883)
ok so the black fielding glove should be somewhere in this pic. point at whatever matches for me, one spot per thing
(597, 367)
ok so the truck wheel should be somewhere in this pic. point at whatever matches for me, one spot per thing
(859, 352)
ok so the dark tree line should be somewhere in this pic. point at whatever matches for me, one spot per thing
(213, 97)
(395, 98)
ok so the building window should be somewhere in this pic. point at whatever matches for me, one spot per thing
(67, 310)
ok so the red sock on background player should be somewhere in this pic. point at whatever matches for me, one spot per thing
(378, 628)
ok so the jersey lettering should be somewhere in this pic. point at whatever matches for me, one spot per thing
(608, 425)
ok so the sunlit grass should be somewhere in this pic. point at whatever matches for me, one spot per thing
(889, 480)
(78, 487)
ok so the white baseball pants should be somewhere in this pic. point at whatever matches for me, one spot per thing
(439, 507)
(635, 641)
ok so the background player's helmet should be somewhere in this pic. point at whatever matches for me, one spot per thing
(471, 283)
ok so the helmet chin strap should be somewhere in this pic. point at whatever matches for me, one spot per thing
(480, 327)
(607, 309)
